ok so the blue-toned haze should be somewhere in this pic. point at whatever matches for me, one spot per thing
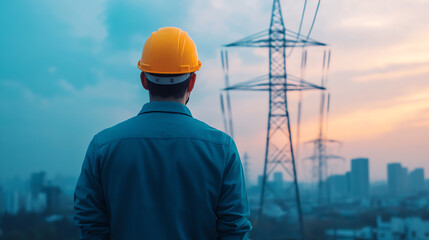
(68, 70)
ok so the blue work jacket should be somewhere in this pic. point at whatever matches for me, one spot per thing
(162, 175)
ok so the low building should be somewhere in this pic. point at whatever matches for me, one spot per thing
(365, 233)
(411, 228)
(416, 180)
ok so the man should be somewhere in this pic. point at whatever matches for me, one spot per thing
(163, 174)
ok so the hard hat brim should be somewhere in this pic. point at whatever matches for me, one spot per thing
(184, 68)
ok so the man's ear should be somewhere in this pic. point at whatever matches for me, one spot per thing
(192, 82)
(143, 79)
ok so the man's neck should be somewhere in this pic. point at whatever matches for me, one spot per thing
(170, 99)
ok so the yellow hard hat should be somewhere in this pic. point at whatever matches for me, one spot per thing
(169, 51)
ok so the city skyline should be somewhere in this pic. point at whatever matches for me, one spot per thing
(40, 191)
(420, 170)
(355, 213)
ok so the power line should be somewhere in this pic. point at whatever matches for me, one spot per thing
(300, 27)
(314, 20)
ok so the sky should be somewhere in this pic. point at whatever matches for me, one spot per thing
(68, 70)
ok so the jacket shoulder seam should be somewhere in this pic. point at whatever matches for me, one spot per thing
(140, 137)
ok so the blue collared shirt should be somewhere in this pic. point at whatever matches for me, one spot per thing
(162, 175)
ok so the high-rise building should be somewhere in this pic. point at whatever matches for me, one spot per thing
(349, 182)
(37, 183)
(338, 186)
(2, 201)
(397, 177)
(359, 177)
(416, 180)
(278, 179)
(404, 180)
(13, 203)
(53, 194)
(260, 179)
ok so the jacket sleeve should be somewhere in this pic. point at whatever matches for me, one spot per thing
(90, 209)
(232, 210)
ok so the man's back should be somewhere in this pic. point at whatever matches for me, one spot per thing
(162, 175)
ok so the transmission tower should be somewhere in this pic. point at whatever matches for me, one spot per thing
(246, 166)
(279, 153)
(320, 155)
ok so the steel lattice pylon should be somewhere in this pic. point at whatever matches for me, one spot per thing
(279, 150)
(320, 156)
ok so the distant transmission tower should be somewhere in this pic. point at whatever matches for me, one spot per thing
(246, 166)
(320, 155)
(279, 152)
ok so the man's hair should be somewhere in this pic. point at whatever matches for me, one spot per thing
(177, 90)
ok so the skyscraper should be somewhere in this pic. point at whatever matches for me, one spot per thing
(37, 183)
(416, 180)
(338, 186)
(359, 177)
(53, 194)
(2, 201)
(396, 178)
(278, 178)
(403, 184)
(349, 183)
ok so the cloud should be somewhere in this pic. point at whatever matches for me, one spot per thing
(412, 48)
(52, 133)
(374, 34)
(225, 17)
(64, 85)
(86, 19)
(52, 69)
(396, 72)
(379, 118)
(365, 22)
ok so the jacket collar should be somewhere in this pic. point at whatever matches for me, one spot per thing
(165, 107)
